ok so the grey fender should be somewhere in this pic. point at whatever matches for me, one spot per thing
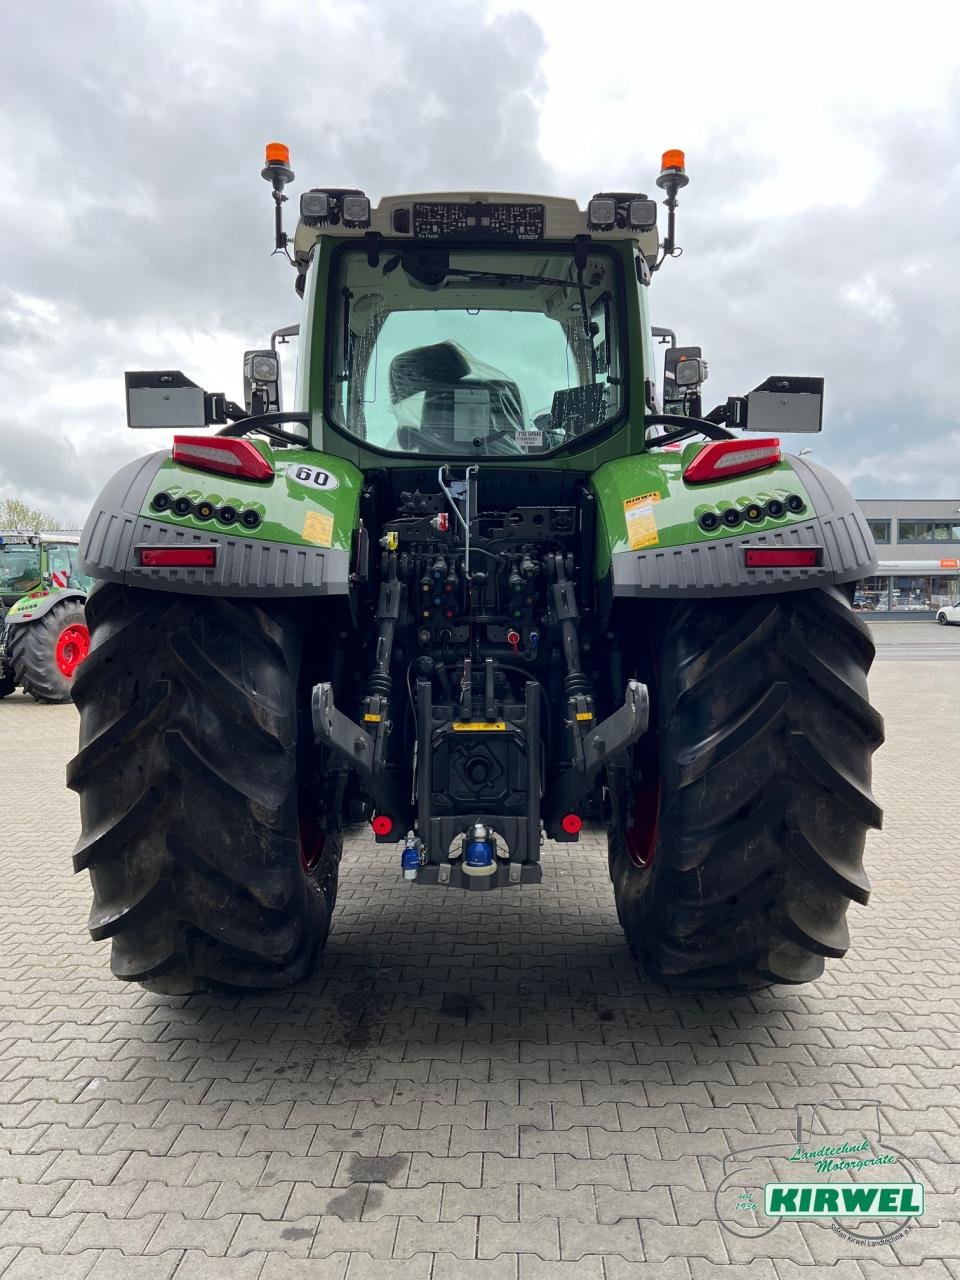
(44, 605)
(245, 566)
(716, 568)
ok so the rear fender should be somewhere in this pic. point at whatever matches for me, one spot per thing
(650, 542)
(34, 605)
(301, 546)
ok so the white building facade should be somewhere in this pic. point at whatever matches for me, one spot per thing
(918, 553)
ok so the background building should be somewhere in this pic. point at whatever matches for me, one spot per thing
(918, 550)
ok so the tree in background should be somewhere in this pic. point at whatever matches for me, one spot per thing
(15, 514)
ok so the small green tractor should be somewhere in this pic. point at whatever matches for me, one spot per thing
(492, 576)
(43, 633)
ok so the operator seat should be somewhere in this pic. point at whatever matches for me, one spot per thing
(493, 413)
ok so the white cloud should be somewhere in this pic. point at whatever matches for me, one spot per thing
(819, 226)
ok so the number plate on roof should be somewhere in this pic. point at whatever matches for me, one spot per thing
(447, 219)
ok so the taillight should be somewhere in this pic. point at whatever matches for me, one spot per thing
(224, 455)
(725, 458)
(782, 557)
(177, 557)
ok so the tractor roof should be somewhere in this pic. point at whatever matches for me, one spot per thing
(490, 217)
(49, 535)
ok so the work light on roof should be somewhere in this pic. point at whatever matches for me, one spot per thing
(314, 206)
(601, 213)
(356, 211)
(642, 214)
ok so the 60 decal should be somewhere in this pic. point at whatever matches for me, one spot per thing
(312, 477)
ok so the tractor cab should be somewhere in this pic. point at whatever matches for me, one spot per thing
(20, 566)
(32, 562)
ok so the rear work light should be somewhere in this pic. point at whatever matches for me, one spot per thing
(782, 557)
(224, 455)
(731, 458)
(177, 557)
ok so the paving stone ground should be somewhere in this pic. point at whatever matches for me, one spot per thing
(475, 1087)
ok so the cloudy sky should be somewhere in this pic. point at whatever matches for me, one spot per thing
(820, 227)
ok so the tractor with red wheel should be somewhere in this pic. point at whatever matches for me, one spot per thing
(44, 635)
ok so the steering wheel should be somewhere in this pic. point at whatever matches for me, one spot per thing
(686, 427)
(268, 424)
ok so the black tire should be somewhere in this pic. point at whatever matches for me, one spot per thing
(8, 683)
(761, 770)
(942, 619)
(190, 794)
(32, 651)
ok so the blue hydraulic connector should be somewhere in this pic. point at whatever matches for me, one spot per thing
(410, 858)
(479, 853)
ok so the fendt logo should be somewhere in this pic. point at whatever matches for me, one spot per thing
(858, 1200)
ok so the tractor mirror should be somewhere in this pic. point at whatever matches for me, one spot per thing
(783, 404)
(261, 381)
(684, 372)
(164, 399)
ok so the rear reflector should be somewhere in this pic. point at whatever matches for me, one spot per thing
(224, 455)
(782, 557)
(177, 557)
(731, 458)
(382, 824)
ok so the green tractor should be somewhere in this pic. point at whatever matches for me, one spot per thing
(43, 633)
(486, 581)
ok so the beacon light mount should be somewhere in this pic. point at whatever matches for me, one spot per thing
(673, 176)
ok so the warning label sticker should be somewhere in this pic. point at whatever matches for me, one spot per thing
(529, 439)
(641, 521)
(318, 528)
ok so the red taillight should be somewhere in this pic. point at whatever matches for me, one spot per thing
(781, 557)
(177, 557)
(224, 455)
(382, 824)
(571, 823)
(731, 458)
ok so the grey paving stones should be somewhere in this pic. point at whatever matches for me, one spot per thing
(471, 1088)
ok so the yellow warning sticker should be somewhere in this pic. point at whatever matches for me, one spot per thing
(641, 521)
(479, 726)
(318, 528)
(584, 715)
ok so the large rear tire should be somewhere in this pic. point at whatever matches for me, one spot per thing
(191, 800)
(735, 862)
(46, 652)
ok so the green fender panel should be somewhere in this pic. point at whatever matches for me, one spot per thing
(36, 603)
(290, 536)
(650, 542)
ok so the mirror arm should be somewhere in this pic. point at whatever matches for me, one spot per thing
(217, 409)
(686, 426)
(265, 421)
(734, 412)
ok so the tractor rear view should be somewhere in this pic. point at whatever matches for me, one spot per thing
(491, 576)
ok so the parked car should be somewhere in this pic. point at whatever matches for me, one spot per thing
(950, 613)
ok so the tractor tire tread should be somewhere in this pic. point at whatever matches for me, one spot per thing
(766, 734)
(187, 775)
